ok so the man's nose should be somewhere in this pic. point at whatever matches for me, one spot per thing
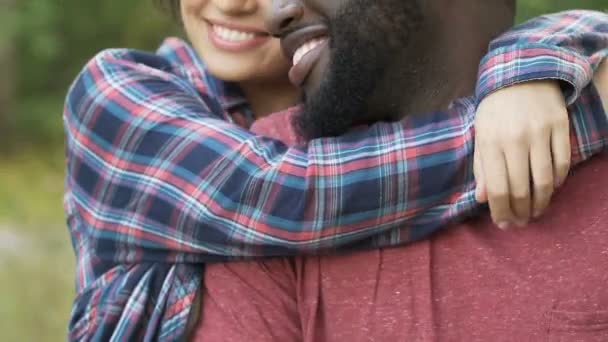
(282, 15)
(235, 7)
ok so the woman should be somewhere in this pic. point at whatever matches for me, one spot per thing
(161, 179)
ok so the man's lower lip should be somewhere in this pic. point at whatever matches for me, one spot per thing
(299, 72)
(233, 46)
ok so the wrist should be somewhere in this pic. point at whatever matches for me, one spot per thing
(600, 79)
(522, 63)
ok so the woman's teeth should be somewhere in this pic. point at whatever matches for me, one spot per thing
(232, 35)
(306, 48)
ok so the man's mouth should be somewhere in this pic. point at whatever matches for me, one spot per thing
(304, 47)
(307, 48)
(305, 58)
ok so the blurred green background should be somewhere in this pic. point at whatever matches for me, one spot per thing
(43, 44)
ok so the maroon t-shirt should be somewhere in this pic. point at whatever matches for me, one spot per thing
(473, 282)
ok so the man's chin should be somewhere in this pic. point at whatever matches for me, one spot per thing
(313, 82)
(336, 93)
(310, 88)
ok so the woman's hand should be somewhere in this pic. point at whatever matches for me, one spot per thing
(601, 83)
(522, 150)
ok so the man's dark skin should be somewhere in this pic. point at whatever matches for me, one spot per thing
(388, 56)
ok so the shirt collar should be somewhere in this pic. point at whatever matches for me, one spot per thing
(182, 56)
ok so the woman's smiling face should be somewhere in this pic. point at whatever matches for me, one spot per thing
(230, 36)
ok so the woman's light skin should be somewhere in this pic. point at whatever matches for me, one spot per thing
(230, 36)
(601, 83)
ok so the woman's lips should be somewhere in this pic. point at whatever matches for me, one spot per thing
(304, 60)
(232, 40)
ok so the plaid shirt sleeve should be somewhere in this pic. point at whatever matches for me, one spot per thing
(567, 46)
(156, 174)
(158, 183)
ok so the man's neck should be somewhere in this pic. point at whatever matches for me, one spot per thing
(449, 75)
(269, 97)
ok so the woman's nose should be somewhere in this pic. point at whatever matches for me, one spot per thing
(282, 15)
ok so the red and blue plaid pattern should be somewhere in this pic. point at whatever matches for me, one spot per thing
(162, 180)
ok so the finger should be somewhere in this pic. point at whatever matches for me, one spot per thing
(497, 184)
(518, 167)
(541, 165)
(480, 189)
(560, 148)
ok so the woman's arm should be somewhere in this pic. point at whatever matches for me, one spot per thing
(158, 184)
(153, 168)
(517, 165)
(567, 46)
(601, 83)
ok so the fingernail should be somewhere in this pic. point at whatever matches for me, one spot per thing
(521, 224)
(537, 214)
(504, 225)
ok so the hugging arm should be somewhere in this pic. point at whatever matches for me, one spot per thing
(522, 140)
(159, 183)
(154, 168)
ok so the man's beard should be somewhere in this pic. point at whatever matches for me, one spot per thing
(366, 37)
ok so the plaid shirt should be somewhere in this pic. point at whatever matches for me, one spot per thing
(161, 180)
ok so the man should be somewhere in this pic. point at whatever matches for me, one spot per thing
(546, 282)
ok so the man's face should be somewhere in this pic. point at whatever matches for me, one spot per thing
(353, 57)
(342, 52)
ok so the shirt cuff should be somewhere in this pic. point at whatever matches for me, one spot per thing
(514, 64)
(598, 58)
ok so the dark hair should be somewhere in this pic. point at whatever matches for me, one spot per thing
(171, 6)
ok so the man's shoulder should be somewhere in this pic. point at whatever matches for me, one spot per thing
(584, 195)
(591, 175)
(582, 200)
